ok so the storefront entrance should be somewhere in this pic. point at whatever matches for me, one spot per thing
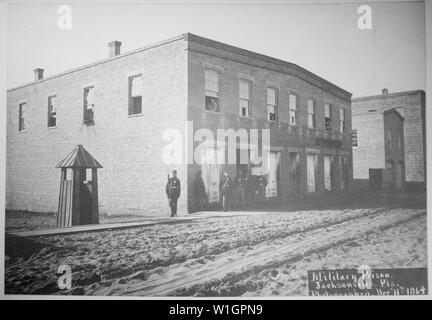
(294, 173)
(210, 173)
(273, 174)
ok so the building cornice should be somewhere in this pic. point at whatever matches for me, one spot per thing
(253, 59)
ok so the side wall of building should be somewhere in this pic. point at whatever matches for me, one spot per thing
(284, 137)
(369, 153)
(129, 148)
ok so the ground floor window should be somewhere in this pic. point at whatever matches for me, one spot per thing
(328, 173)
(242, 161)
(343, 166)
(312, 164)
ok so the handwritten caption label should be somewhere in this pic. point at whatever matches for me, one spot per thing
(368, 282)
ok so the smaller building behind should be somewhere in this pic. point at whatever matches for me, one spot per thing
(411, 106)
(378, 150)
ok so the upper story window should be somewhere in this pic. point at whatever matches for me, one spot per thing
(21, 116)
(52, 111)
(212, 88)
(244, 97)
(311, 114)
(88, 106)
(293, 108)
(354, 138)
(342, 120)
(272, 97)
(135, 94)
(328, 116)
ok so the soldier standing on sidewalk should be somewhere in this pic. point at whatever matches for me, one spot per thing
(261, 185)
(242, 186)
(173, 192)
(225, 187)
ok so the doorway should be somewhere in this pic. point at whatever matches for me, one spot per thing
(210, 173)
(273, 174)
(86, 197)
(399, 174)
(294, 173)
(312, 164)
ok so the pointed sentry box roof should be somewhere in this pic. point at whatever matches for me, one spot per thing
(79, 158)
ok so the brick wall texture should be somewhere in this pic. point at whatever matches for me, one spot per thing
(370, 152)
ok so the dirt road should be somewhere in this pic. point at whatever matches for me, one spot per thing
(250, 254)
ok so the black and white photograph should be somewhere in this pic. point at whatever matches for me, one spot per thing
(192, 150)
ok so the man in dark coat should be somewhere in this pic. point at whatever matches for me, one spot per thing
(200, 192)
(251, 197)
(225, 187)
(173, 192)
(242, 188)
(261, 184)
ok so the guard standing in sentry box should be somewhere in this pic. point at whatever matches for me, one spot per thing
(173, 192)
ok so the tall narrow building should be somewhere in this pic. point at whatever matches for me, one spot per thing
(411, 106)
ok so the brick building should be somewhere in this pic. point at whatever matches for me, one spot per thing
(119, 109)
(378, 143)
(411, 106)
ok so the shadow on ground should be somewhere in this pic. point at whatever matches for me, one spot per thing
(20, 247)
(348, 201)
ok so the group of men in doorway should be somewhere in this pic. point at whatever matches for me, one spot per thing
(247, 189)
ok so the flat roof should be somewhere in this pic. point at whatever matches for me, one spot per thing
(389, 95)
(189, 37)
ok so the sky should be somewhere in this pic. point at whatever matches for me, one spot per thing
(324, 39)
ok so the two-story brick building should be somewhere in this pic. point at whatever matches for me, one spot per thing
(119, 109)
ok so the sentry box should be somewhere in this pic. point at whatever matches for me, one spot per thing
(78, 198)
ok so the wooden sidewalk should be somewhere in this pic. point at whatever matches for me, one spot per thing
(99, 227)
(120, 225)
